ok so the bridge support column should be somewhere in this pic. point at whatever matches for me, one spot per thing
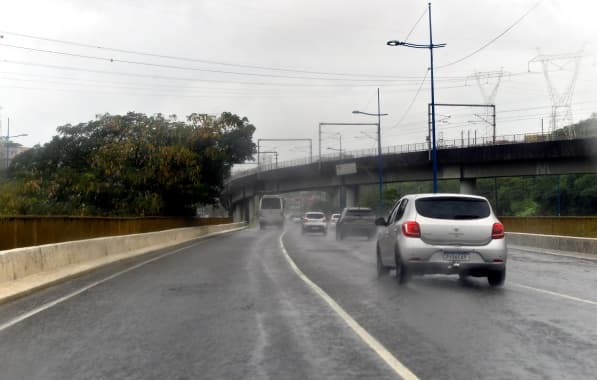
(334, 197)
(352, 196)
(468, 186)
(237, 212)
(253, 209)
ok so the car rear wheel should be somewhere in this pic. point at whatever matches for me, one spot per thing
(402, 273)
(382, 270)
(496, 278)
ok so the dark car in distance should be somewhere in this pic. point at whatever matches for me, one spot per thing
(356, 221)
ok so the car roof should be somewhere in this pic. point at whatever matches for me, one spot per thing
(359, 208)
(438, 195)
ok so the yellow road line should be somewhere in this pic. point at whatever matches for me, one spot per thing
(373, 343)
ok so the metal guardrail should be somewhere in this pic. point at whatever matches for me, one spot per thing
(407, 148)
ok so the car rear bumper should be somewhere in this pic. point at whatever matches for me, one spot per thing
(315, 227)
(423, 258)
(469, 269)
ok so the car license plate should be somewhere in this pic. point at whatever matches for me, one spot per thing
(456, 256)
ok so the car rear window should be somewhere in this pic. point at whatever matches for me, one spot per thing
(314, 215)
(364, 212)
(271, 203)
(452, 208)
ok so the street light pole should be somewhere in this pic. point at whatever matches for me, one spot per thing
(434, 152)
(379, 155)
(7, 142)
(431, 46)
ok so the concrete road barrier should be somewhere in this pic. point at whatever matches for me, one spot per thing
(25, 269)
(554, 242)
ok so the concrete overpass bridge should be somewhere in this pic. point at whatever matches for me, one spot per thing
(508, 156)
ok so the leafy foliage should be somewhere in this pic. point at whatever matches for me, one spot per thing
(129, 164)
(510, 196)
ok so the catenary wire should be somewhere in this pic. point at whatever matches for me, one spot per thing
(493, 39)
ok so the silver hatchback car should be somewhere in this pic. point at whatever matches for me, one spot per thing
(442, 234)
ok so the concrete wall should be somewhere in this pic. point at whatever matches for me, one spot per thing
(26, 231)
(21, 262)
(553, 242)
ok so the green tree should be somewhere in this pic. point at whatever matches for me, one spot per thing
(129, 164)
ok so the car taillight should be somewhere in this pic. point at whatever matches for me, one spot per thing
(411, 229)
(497, 232)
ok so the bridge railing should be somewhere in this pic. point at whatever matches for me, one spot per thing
(466, 142)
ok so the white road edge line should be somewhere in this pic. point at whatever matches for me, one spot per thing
(555, 294)
(373, 343)
(57, 301)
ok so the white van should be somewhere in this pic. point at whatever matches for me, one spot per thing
(271, 211)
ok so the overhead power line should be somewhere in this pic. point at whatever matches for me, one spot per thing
(411, 102)
(187, 68)
(495, 38)
(195, 60)
(414, 26)
(179, 78)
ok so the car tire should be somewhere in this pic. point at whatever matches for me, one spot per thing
(261, 226)
(496, 278)
(402, 272)
(382, 270)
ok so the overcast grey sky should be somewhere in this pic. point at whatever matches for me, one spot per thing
(320, 60)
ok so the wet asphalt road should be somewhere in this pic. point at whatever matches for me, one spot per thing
(230, 307)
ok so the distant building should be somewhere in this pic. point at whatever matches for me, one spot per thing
(8, 151)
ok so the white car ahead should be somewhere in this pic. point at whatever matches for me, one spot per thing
(442, 234)
(314, 221)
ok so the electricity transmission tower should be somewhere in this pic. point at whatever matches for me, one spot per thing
(488, 97)
(561, 101)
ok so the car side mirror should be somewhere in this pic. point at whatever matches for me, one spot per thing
(380, 222)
